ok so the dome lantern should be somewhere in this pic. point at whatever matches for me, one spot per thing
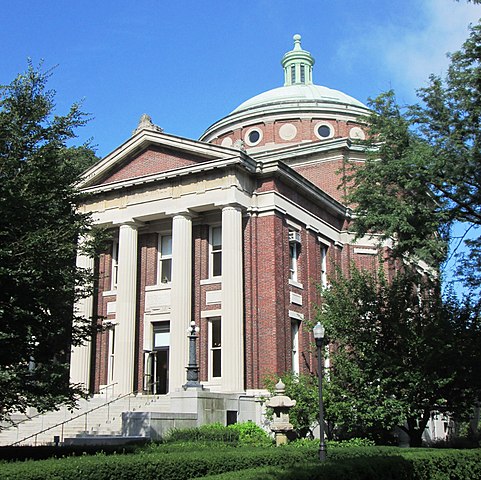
(297, 65)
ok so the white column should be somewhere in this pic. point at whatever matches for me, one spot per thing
(232, 301)
(124, 357)
(80, 357)
(181, 299)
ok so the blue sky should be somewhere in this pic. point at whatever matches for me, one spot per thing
(188, 63)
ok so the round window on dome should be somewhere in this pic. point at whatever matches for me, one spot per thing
(253, 137)
(324, 131)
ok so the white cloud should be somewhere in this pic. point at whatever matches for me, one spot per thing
(403, 52)
(414, 54)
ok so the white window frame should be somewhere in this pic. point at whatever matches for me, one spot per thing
(114, 272)
(295, 327)
(293, 261)
(161, 257)
(111, 354)
(213, 252)
(213, 348)
(323, 252)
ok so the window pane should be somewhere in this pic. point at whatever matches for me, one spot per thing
(166, 245)
(216, 238)
(161, 335)
(216, 333)
(216, 363)
(293, 261)
(166, 271)
(217, 264)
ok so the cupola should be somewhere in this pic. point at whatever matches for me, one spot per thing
(297, 65)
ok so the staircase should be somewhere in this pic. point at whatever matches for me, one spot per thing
(96, 416)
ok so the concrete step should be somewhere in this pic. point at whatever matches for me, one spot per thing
(100, 419)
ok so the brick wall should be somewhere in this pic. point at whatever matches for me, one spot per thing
(151, 161)
(305, 130)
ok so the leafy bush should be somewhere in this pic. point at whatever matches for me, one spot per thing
(251, 434)
(174, 465)
(170, 463)
(213, 432)
(398, 465)
(352, 442)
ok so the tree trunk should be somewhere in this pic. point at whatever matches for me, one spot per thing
(416, 428)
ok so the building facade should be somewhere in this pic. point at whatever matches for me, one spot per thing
(234, 231)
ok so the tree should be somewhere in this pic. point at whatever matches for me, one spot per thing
(39, 227)
(401, 352)
(424, 170)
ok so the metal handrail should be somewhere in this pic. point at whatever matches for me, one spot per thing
(62, 424)
(16, 424)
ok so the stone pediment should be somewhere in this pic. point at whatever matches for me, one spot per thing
(150, 153)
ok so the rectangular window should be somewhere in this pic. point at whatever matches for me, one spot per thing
(303, 74)
(295, 346)
(216, 251)
(293, 260)
(161, 335)
(164, 273)
(115, 265)
(293, 74)
(323, 266)
(215, 347)
(111, 350)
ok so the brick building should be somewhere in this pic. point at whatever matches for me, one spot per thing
(232, 231)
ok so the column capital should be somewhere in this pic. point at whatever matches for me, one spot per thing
(232, 206)
(185, 214)
(135, 224)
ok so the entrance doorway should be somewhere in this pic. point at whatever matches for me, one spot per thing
(160, 358)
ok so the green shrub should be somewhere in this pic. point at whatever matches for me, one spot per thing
(179, 465)
(372, 468)
(213, 432)
(251, 434)
(406, 464)
(169, 462)
(352, 442)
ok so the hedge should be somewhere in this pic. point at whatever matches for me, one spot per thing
(174, 465)
(404, 465)
(179, 462)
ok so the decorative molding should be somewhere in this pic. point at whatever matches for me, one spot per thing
(211, 313)
(296, 315)
(295, 298)
(365, 251)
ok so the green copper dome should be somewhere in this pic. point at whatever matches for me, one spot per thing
(298, 96)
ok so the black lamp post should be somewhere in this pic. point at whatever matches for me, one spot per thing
(192, 368)
(319, 336)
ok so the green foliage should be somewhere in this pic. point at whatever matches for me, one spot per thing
(373, 464)
(352, 442)
(243, 434)
(423, 173)
(251, 434)
(391, 191)
(39, 227)
(401, 352)
(302, 388)
(171, 465)
(256, 463)
(213, 432)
